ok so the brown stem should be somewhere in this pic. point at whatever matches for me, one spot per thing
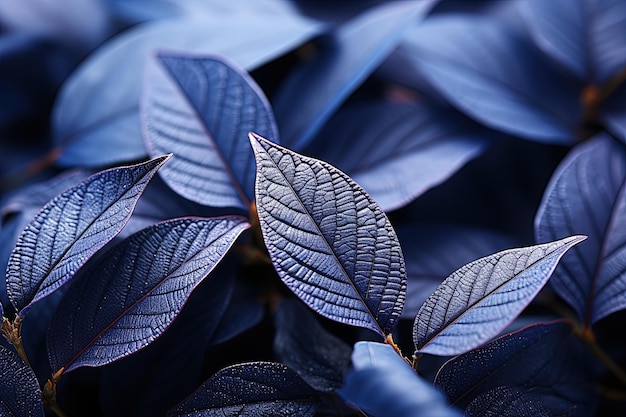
(49, 394)
(13, 334)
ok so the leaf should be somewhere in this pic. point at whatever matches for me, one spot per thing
(379, 145)
(71, 228)
(349, 54)
(480, 299)
(587, 195)
(382, 384)
(328, 240)
(251, 389)
(201, 108)
(126, 299)
(96, 116)
(506, 401)
(613, 113)
(20, 395)
(585, 36)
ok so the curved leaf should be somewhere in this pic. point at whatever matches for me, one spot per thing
(349, 55)
(382, 384)
(328, 240)
(20, 395)
(71, 228)
(587, 194)
(480, 299)
(251, 389)
(201, 108)
(127, 298)
(507, 401)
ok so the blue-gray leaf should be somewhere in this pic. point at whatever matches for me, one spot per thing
(20, 395)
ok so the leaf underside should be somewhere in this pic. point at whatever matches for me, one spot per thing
(20, 395)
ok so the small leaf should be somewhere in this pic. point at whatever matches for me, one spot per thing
(328, 240)
(71, 228)
(480, 299)
(251, 389)
(382, 384)
(201, 108)
(507, 401)
(20, 395)
(127, 298)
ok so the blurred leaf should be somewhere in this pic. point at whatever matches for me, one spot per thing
(613, 113)
(20, 395)
(382, 384)
(506, 401)
(251, 389)
(587, 195)
(130, 296)
(71, 228)
(201, 108)
(328, 240)
(480, 299)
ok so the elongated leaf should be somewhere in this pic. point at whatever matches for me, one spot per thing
(507, 401)
(479, 300)
(20, 395)
(587, 195)
(315, 90)
(251, 389)
(201, 109)
(71, 228)
(382, 384)
(129, 297)
(328, 240)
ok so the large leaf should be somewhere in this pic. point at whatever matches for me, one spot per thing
(126, 299)
(382, 384)
(380, 145)
(480, 299)
(201, 108)
(507, 401)
(347, 57)
(71, 228)
(20, 395)
(328, 240)
(587, 194)
(586, 36)
(96, 116)
(251, 389)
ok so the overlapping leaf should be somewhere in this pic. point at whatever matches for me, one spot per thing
(201, 109)
(20, 395)
(587, 195)
(71, 228)
(251, 389)
(328, 240)
(480, 299)
(507, 401)
(129, 297)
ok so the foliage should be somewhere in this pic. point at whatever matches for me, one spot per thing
(265, 207)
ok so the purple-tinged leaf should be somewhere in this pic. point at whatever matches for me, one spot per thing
(20, 395)
(328, 240)
(507, 401)
(347, 57)
(545, 359)
(379, 145)
(71, 228)
(301, 343)
(480, 299)
(201, 108)
(586, 36)
(251, 389)
(382, 384)
(496, 77)
(587, 194)
(126, 299)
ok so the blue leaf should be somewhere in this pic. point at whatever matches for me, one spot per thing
(613, 113)
(328, 240)
(20, 395)
(496, 77)
(382, 384)
(126, 299)
(349, 54)
(96, 116)
(587, 194)
(71, 228)
(251, 389)
(379, 145)
(507, 401)
(545, 359)
(201, 108)
(586, 36)
(480, 299)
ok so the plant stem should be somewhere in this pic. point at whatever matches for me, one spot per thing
(389, 341)
(49, 394)
(587, 335)
(13, 334)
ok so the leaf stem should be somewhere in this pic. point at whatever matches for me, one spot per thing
(49, 394)
(389, 341)
(13, 334)
(589, 338)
